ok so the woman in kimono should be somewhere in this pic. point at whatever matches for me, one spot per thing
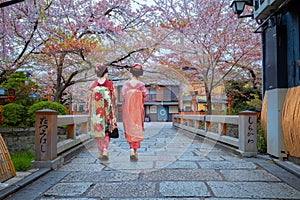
(101, 107)
(134, 94)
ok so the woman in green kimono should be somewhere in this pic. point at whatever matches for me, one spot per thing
(101, 107)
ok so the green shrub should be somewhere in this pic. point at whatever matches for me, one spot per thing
(14, 115)
(261, 141)
(61, 110)
(238, 107)
(22, 160)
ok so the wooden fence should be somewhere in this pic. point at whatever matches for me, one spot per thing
(7, 169)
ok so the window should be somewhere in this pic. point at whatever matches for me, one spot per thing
(153, 109)
(152, 94)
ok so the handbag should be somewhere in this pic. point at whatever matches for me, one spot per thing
(114, 133)
(112, 129)
(113, 124)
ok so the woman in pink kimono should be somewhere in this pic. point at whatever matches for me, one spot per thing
(101, 107)
(134, 94)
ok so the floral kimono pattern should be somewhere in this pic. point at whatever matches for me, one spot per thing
(100, 110)
(133, 111)
(101, 106)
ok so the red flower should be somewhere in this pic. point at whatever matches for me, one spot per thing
(98, 96)
(100, 111)
(98, 127)
(105, 103)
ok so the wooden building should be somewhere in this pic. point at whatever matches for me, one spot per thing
(279, 26)
(161, 103)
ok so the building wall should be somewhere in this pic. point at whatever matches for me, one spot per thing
(281, 71)
(160, 105)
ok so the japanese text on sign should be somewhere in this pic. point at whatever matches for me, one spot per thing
(250, 133)
(43, 126)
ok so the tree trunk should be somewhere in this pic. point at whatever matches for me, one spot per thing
(59, 84)
(208, 100)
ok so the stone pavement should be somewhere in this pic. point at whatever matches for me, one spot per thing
(172, 164)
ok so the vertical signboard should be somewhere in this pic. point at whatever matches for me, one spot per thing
(248, 132)
(45, 135)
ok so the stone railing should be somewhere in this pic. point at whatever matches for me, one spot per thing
(216, 128)
(77, 130)
(47, 149)
(71, 128)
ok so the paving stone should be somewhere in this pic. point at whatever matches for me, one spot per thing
(71, 198)
(158, 157)
(178, 165)
(196, 145)
(127, 166)
(215, 158)
(233, 158)
(181, 174)
(181, 198)
(227, 165)
(251, 190)
(158, 165)
(39, 186)
(150, 151)
(192, 157)
(103, 176)
(4, 185)
(121, 190)
(84, 160)
(179, 144)
(172, 165)
(176, 150)
(154, 144)
(281, 173)
(165, 154)
(222, 198)
(82, 167)
(68, 189)
(181, 189)
(188, 153)
(11, 181)
(84, 154)
(209, 152)
(248, 175)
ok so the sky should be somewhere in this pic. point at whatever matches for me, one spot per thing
(135, 5)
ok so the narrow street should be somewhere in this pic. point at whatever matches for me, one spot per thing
(172, 164)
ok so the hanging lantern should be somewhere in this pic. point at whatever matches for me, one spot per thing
(11, 95)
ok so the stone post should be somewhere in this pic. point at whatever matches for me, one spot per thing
(248, 133)
(46, 139)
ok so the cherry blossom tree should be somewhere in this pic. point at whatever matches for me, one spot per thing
(208, 40)
(60, 36)
(19, 35)
(76, 29)
(60, 41)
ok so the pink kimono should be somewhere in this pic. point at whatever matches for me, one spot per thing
(133, 112)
